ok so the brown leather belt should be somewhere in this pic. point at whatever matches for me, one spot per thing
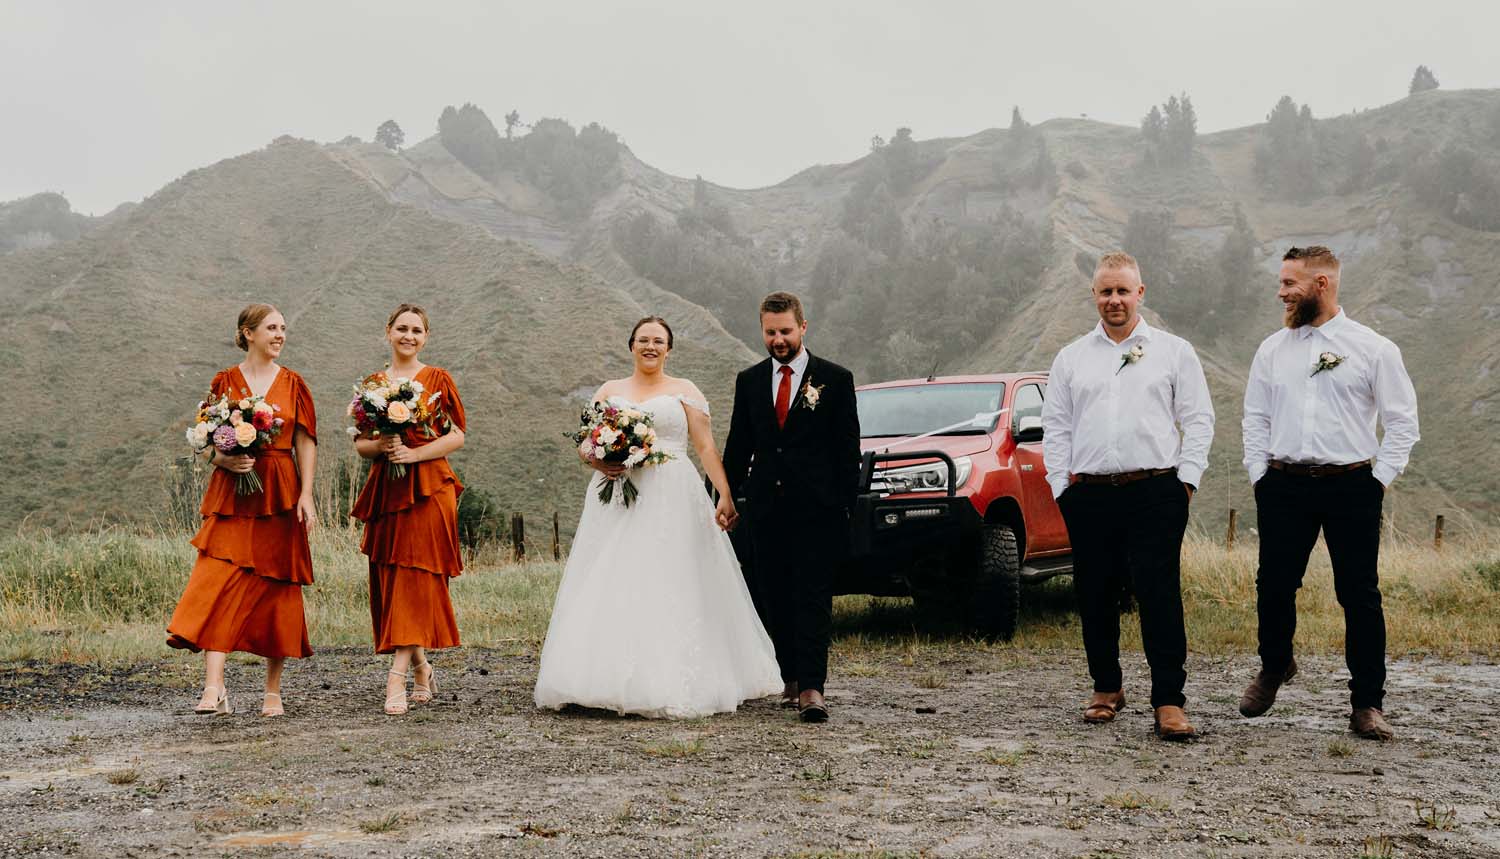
(1312, 470)
(1123, 477)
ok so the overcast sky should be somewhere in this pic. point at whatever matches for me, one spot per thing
(109, 101)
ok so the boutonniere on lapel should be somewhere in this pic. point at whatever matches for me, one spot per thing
(1327, 361)
(1136, 353)
(811, 394)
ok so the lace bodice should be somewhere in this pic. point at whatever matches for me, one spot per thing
(668, 417)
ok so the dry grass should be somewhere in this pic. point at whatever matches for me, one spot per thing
(106, 597)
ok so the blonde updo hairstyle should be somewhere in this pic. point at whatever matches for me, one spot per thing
(250, 319)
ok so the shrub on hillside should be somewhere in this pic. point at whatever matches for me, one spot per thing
(469, 135)
(1461, 185)
(574, 168)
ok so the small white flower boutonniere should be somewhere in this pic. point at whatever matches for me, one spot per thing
(811, 394)
(1136, 353)
(1327, 361)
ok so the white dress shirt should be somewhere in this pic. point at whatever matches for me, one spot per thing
(1102, 418)
(799, 369)
(1328, 418)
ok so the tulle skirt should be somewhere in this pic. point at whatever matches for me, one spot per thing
(652, 616)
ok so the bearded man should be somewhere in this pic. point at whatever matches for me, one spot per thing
(1316, 389)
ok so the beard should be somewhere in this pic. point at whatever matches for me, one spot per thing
(792, 351)
(1302, 313)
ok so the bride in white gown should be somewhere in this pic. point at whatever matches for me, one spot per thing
(653, 616)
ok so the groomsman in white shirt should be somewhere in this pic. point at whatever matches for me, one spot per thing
(1315, 390)
(1127, 424)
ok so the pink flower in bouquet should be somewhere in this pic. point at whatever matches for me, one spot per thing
(262, 419)
(224, 439)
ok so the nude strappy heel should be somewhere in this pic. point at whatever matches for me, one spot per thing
(421, 693)
(221, 705)
(396, 705)
(268, 709)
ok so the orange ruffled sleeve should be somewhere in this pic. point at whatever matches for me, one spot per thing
(304, 413)
(452, 406)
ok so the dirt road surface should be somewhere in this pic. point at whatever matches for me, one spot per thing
(958, 754)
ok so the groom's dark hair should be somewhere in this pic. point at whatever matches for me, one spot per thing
(781, 302)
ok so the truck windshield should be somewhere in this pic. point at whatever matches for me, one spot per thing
(958, 408)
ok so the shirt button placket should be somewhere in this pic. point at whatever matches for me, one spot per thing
(1309, 400)
(1114, 419)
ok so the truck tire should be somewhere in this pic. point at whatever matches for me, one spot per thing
(997, 583)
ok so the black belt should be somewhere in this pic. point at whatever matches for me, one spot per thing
(1315, 470)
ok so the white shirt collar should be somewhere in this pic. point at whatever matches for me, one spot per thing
(1328, 329)
(1141, 330)
(798, 364)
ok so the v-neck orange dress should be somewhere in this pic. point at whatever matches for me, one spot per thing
(411, 536)
(245, 590)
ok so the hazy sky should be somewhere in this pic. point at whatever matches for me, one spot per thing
(108, 101)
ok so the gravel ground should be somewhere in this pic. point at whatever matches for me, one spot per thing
(927, 754)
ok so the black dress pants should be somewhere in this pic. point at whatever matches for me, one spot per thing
(1290, 510)
(797, 546)
(1132, 532)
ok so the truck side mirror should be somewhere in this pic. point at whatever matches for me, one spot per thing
(1029, 429)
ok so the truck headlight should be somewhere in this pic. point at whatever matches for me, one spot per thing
(927, 477)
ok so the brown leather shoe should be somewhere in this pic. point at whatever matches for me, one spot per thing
(1103, 706)
(1261, 693)
(811, 707)
(1370, 723)
(1172, 724)
(789, 696)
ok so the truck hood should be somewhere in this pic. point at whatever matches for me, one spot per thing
(953, 445)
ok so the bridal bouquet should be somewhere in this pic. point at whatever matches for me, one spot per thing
(617, 435)
(386, 406)
(236, 427)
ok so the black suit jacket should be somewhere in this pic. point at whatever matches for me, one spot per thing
(814, 458)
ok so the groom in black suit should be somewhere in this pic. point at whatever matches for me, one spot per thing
(793, 453)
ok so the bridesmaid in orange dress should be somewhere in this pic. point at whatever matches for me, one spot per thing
(411, 522)
(245, 590)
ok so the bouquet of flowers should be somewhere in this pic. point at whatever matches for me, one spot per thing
(618, 435)
(386, 406)
(234, 428)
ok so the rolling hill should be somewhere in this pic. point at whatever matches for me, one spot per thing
(118, 332)
(961, 253)
(964, 254)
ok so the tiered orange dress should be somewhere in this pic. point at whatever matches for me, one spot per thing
(245, 591)
(411, 537)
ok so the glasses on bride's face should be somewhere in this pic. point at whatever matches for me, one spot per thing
(658, 342)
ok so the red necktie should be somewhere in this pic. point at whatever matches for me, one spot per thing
(783, 396)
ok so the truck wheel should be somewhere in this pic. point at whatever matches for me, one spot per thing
(997, 583)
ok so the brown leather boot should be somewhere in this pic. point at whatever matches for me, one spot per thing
(1261, 693)
(1172, 724)
(1103, 706)
(1370, 723)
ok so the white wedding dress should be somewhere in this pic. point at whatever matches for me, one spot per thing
(653, 616)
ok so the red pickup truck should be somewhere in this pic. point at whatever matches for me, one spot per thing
(954, 507)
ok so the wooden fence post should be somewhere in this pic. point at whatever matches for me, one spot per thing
(518, 535)
(1437, 533)
(556, 538)
(1229, 535)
